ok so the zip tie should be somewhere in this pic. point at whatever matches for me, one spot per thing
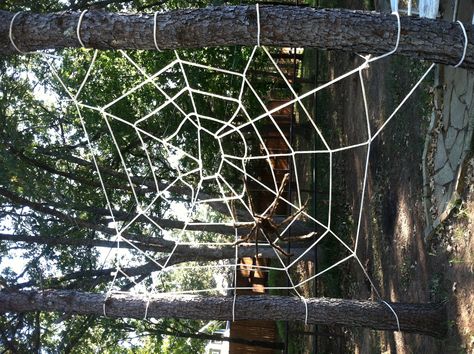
(154, 32)
(78, 29)
(257, 8)
(465, 44)
(396, 317)
(10, 34)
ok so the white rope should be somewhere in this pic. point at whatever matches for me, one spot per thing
(306, 311)
(10, 34)
(227, 191)
(236, 266)
(266, 114)
(107, 296)
(78, 28)
(154, 32)
(399, 31)
(465, 44)
(394, 313)
(257, 8)
(147, 305)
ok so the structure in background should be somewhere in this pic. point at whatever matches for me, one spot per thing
(424, 8)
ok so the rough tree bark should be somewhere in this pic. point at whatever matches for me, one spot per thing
(355, 31)
(427, 319)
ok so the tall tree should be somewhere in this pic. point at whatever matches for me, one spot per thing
(51, 199)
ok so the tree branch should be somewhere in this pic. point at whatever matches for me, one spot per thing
(215, 337)
(243, 228)
(183, 252)
(121, 216)
(72, 176)
(149, 183)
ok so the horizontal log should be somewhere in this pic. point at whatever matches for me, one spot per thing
(289, 26)
(427, 319)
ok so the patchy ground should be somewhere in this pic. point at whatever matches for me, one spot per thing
(452, 252)
(391, 246)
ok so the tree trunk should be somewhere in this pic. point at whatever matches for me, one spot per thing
(354, 31)
(298, 228)
(184, 253)
(144, 185)
(427, 319)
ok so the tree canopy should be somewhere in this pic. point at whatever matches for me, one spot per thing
(54, 219)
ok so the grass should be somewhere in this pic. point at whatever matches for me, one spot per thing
(438, 292)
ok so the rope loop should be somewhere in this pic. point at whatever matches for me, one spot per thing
(465, 44)
(10, 34)
(393, 311)
(399, 31)
(107, 296)
(78, 29)
(257, 8)
(154, 32)
(147, 305)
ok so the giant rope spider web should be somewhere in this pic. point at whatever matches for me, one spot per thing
(206, 185)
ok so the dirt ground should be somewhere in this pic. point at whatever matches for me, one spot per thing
(402, 265)
(407, 268)
(391, 246)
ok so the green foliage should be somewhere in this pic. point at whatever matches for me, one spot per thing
(49, 188)
(28, 5)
